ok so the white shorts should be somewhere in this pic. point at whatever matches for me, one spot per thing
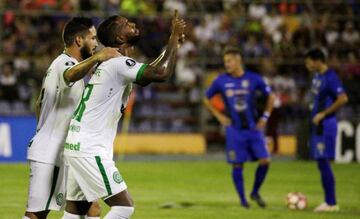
(92, 178)
(46, 187)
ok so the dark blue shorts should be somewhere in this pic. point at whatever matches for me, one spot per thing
(323, 144)
(245, 145)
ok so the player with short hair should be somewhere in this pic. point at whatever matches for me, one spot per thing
(328, 96)
(245, 139)
(89, 143)
(61, 91)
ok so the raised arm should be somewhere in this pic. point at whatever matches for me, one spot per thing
(163, 66)
(79, 71)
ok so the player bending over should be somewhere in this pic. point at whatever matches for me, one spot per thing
(328, 96)
(245, 139)
(89, 144)
(61, 91)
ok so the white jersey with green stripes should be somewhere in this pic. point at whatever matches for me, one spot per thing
(94, 125)
(57, 104)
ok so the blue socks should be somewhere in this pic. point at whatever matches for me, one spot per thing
(259, 178)
(327, 180)
(237, 174)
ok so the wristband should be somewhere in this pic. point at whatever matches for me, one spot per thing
(265, 116)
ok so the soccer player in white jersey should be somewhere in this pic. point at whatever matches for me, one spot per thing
(61, 91)
(89, 145)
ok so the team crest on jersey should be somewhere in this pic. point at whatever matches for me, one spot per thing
(130, 62)
(245, 84)
(117, 177)
(70, 63)
(229, 92)
(60, 199)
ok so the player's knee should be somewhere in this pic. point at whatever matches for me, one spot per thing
(70, 207)
(322, 163)
(265, 161)
(94, 210)
(77, 207)
(238, 165)
(120, 212)
(36, 215)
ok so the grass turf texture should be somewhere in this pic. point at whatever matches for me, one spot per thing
(204, 189)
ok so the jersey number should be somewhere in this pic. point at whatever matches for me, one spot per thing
(81, 107)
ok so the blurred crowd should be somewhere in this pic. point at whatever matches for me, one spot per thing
(272, 35)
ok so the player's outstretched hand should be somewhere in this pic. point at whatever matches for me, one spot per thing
(107, 53)
(178, 26)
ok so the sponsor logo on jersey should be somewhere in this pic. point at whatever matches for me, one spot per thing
(130, 62)
(229, 92)
(59, 199)
(73, 147)
(240, 104)
(117, 177)
(70, 63)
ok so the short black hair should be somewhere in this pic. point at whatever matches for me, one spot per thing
(231, 50)
(316, 55)
(107, 31)
(76, 26)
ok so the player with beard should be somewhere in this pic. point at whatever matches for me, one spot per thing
(61, 91)
(89, 143)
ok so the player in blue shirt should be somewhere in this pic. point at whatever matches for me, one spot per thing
(245, 139)
(328, 96)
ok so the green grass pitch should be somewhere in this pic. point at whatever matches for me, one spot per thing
(204, 189)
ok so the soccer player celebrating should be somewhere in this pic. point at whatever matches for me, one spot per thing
(245, 139)
(89, 143)
(328, 97)
(61, 91)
